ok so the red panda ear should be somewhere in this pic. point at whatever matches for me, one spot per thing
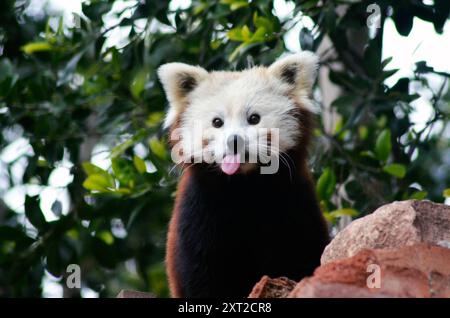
(179, 80)
(298, 70)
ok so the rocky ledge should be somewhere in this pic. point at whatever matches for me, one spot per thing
(400, 250)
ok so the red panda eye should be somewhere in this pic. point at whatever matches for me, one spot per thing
(217, 122)
(254, 119)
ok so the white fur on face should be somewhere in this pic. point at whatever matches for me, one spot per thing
(273, 93)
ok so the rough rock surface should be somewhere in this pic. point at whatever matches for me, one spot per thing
(272, 288)
(393, 225)
(421, 270)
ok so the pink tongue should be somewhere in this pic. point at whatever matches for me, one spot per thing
(230, 164)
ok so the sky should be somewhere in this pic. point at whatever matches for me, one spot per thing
(422, 44)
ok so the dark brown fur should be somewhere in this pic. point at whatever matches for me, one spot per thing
(228, 231)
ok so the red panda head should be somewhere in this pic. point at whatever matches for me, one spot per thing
(238, 120)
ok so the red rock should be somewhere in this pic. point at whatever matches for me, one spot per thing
(272, 288)
(391, 226)
(421, 270)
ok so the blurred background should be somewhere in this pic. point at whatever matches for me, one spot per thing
(85, 173)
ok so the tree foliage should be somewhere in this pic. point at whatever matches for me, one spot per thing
(69, 94)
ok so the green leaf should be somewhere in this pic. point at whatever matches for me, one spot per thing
(123, 191)
(124, 171)
(446, 193)
(383, 145)
(215, 44)
(386, 61)
(95, 9)
(106, 237)
(235, 4)
(262, 22)
(367, 153)
(363, 132)
(99, 182)
(338, 127)
(239, 50)
(342, 212)
(382, 121)
(403, 17)
(154, 119)
(157, 274)
(90, 168)
(352, 82)
(345, 101)
(138, 83)
(30, 48)
(308, 4)
(372, 58)
(422, 67)
(326, 184)
(329, 217)
(389, 73)
(120, 149)
(34, 213)
(54, 263)
(59, 253)
(246, 33)
(6, 69)
(419, 195)
(158, 148)
(239, 4)
(395, 169)
(259, 36)
(235, 34)
(200, 8)
(139, 164)
(98, 179)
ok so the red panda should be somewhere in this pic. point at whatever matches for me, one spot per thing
(232, 222)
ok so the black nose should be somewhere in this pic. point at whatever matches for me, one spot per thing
(235, 143)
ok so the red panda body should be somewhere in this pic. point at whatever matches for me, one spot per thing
(231, 223)
(227, 232)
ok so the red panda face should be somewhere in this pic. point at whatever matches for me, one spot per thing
(237, 121)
